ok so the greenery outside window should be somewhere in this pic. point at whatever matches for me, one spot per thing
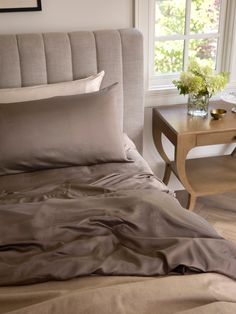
(183, 29)
(175, 30)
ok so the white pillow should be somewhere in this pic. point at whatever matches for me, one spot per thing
(20, 94)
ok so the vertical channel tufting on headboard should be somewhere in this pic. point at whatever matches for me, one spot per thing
(34, 59)
(58, 56)
(10, 72)
(84, 56)
(109, 59)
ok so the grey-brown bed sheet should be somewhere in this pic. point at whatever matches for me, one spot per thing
(131, 175)
(110, 219)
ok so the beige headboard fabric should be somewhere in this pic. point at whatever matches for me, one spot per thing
(33, 59)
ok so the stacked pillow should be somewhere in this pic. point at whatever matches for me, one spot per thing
(86, 85)
(81, 129)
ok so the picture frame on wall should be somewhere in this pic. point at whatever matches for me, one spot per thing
(20, 5)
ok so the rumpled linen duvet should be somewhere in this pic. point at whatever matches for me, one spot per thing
(110, 219)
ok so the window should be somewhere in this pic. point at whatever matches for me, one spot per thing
(179, 29)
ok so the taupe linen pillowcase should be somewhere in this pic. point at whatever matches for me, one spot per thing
(61, 131)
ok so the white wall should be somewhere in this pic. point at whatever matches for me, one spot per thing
(70, 15)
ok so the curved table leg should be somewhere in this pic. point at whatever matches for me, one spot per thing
(184, 145)
(191, 202)
(157, 137)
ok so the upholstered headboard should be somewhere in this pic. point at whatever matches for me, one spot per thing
(33, 59)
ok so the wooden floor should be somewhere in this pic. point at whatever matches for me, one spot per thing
(219, 210)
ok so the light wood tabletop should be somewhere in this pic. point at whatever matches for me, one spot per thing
(200, 176)
(178, 119)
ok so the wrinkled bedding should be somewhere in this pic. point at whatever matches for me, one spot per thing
(130, 175)
(108, 219)
(132, 232)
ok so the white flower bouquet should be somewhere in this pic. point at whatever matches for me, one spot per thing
(200, 83)
(200, 79)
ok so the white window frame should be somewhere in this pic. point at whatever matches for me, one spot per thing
(144, 20)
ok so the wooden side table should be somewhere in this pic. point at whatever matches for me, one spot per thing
(200, 176)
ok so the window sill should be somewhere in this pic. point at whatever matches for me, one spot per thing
(163, 96)
(170, 96)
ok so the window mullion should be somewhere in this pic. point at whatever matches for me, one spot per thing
(152, 4)
(187, 33)
(225, 27)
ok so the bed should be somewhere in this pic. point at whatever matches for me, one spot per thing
(104, 236)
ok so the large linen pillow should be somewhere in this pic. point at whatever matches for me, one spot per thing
(61, 131)
(86, 85)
